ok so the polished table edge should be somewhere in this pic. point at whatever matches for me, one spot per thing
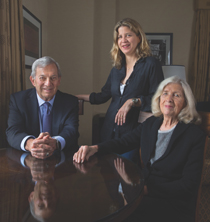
(125, 212)
(1, 149)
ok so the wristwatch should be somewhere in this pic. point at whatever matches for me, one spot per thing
(135, 101)
(58, 145)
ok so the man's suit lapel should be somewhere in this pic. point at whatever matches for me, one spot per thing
(153, 137)
(33, 112)
(57, 113)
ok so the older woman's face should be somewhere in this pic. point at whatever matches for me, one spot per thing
(172, 100)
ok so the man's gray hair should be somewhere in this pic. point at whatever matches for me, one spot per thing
(43, 62)
(188, 113)
(38, 218)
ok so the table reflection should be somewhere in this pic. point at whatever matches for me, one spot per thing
(44, 199)
(58, 189)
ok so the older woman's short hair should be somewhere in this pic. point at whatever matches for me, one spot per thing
(43, 62)
(142, 49)
(188, 114)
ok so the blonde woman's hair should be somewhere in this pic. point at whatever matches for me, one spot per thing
(188, 114)
(142, 50)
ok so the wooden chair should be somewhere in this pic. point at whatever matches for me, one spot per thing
(202, 213)
(198, 203)
(205, 124)
(81, 106)
(142, 117)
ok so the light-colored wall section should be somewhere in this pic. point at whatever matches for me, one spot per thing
(39, 8)
(104, 22)
(164, 16)
(70, 42)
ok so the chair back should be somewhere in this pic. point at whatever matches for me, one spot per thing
(143, 116)
(197, 210)
(205, 126)
(81, 106)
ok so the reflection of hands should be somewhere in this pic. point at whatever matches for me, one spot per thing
(84, 153)
(40, 169)
(120, 167)
(84, 168)
(41, 147)
(123, 111)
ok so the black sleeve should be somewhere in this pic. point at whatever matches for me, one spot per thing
(127, 143)
(104, 95)
(155, 78)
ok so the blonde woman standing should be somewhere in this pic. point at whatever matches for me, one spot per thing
(132, 81)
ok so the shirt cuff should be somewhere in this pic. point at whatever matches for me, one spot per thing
(61, 140)
(22, 159)
(22, 145)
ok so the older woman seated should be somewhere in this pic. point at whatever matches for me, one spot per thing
(171, 148)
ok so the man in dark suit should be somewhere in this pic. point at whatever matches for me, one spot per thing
(28, 127)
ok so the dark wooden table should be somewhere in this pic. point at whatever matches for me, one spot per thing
(107, 188)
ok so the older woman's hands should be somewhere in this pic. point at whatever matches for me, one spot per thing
(84, 153)
(120, 167)
(84, 168)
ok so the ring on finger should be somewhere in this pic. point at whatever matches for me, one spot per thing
(47, 154)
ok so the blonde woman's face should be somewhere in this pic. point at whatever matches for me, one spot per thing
(127, 41)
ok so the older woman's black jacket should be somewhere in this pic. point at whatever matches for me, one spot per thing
(143, 82)
(176, 175)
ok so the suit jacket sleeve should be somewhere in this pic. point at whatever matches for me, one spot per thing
(17, 128)
(127, 143)
(182, 171)
(155, 74)
(104, 95)
(65, 118)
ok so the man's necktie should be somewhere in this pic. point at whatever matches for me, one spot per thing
(47, 118)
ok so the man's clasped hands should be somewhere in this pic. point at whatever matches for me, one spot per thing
(41, 147)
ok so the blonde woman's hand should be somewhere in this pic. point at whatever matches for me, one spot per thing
(123, 111)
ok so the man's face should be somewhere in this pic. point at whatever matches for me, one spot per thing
(46, 81)
(45, 198)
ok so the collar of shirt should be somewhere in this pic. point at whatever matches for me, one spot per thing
(41, 109)
(41, 101)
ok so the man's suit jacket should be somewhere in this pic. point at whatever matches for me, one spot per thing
(176, 175)
(23, 117)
